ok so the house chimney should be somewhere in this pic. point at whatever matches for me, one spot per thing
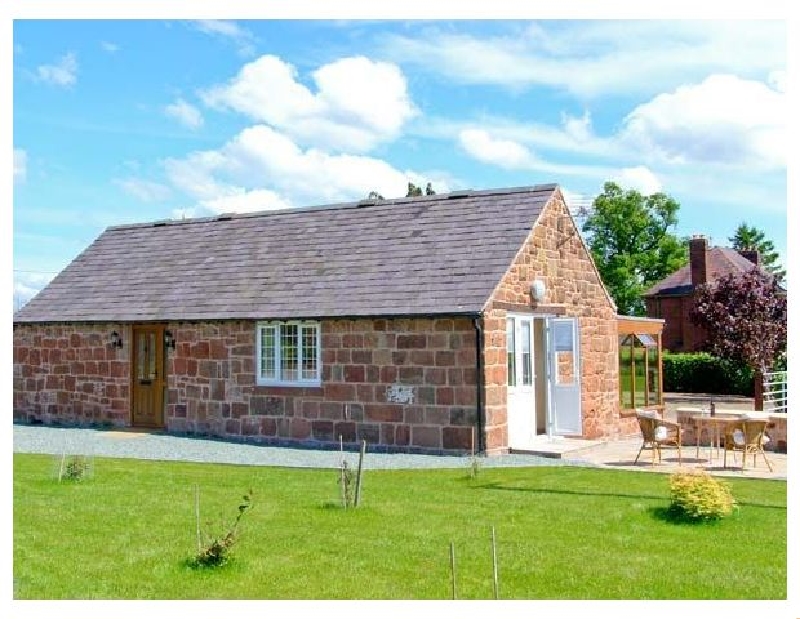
(752, 255)
(698, 259)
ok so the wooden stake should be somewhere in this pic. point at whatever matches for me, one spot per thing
(342, 481)
(197, 515)
(358, 474)
(61, 466)
(453, 568)
(494, 567)
(472, 442)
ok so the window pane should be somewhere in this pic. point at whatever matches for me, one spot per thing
(565, 362)
(639, 376)
(141, 356)
(151, 351)
(525, 345)
(562, 334)
(565, 368)
(625, 376)
(289, 352)
(267, 360)
(309, 352)
(653, 397)
(512, 365)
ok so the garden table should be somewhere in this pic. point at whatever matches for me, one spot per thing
(719, 423)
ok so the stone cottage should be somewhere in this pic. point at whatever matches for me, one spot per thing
(418, 324)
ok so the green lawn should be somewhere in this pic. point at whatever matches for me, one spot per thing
(562, 533)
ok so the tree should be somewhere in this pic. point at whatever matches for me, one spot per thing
(631, 243)
(413, 190)
(744, 319)
(751, 238)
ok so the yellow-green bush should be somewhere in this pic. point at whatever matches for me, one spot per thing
(697, 495)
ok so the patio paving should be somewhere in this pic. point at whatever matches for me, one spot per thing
(621, 454)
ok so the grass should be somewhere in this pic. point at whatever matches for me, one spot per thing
(562, 533)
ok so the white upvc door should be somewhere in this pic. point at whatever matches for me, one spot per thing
(564, 376)
(521, 400)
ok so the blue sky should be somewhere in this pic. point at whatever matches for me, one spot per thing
(120, 121)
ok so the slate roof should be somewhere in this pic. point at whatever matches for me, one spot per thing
(722, 261)
(430, 255)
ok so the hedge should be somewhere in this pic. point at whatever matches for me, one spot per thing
(703, 373)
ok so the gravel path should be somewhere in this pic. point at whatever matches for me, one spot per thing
(126, 444)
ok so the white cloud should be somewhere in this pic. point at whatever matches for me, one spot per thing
(592, 58)
(579, 129)
(724, 120)
(242, 38)
(27, 285)
(261, 168)
(505, 153)
(247, 202)
(777, 80)
(144, 190)
(358, 103)
(109, 47)
(511, 154)
(63, 73)
(194, 175)
(578, 203)
(20, 165)
(639, 178)
(575, 135)
(185, 113)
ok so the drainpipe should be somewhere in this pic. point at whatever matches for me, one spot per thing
(480, 447)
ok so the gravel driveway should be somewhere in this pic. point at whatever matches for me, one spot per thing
(156, 446)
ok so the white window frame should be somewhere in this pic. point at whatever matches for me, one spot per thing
(277, 382)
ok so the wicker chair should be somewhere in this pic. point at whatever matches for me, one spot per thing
(657, 433)
(748, 437)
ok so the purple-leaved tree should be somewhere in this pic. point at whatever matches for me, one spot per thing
(744, 319)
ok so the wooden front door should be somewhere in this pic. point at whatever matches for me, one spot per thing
(147, 380)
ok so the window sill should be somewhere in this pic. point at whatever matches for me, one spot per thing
(284, 383)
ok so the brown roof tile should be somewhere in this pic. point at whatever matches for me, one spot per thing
(440, 254)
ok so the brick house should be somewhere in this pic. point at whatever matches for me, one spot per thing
(672, 298)
(413, 323)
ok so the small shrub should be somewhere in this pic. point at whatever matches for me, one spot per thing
(74, 468)
(217, 549)
(699, 496)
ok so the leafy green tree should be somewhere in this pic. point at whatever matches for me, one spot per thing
(751, 238)
(413, 190)
(630, 238)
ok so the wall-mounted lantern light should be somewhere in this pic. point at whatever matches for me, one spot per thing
(538, 290)
(169, 339)
(116, 340)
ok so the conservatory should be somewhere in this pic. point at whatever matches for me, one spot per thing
(640, 369)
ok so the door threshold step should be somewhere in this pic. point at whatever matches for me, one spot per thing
(559, 448)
